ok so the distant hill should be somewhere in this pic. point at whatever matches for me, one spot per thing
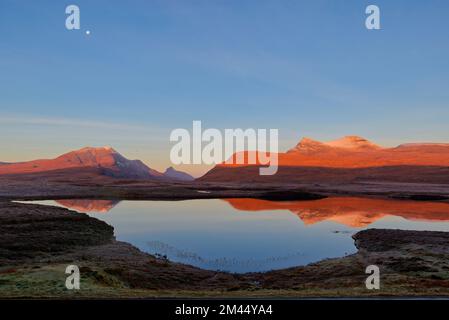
(177, 175)
(350, 158)
(106, 159)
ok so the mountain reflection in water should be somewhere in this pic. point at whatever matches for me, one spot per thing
(349, 211)
(89, 206)
(249, 235)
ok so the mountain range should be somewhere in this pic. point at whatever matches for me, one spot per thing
(348, 159)
(108, 162)
(345, 160)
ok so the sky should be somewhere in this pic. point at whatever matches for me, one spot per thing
(307, 68)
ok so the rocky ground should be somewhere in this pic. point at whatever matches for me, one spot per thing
(38, 242)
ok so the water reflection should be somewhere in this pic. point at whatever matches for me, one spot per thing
(88, 206)
(350, 211)
(244, 235)
(222, 263)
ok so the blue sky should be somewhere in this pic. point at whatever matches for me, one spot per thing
(309, 68)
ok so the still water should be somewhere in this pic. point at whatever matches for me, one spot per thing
(243, 235)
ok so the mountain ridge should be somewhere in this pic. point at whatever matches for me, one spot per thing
(350, 158)
(106, 158)
(171, 172)
(355, 143)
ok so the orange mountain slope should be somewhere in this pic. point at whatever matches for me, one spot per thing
(104, 160)
(354, 152)
(342, 158)
(104, 157)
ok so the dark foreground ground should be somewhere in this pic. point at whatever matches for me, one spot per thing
(89, 185)
(38, 242)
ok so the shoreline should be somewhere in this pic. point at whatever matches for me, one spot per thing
(48, 187)
(412, 263)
